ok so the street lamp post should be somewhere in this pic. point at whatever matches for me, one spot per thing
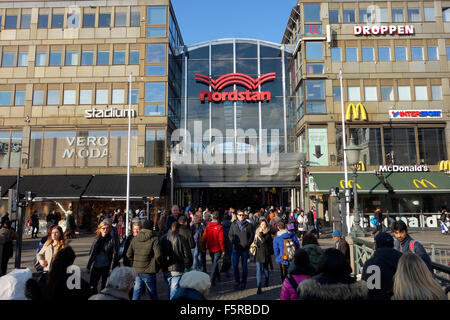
(302, 179)
(353, 158)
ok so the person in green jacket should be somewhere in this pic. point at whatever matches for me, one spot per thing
(145, 253)
(312, 247)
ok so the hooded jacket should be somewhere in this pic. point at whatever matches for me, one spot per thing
(176, 252)
(278, 245)
(386, 259)
(144, 251)
(213, 238)
(315, 252)
(241, 239)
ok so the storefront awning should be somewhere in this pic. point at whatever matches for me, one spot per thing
(115, 186)
(367, 182)
(7, 182)
(418, 182)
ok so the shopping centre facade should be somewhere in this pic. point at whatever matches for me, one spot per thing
(209, 120)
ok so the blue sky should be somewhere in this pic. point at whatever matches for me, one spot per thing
(203, 20)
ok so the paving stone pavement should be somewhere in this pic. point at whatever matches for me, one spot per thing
(224, 290)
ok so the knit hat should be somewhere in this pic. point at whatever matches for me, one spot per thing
(336, 233)
(195, 280)
(384, 240)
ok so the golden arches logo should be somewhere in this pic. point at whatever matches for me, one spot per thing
(444, 165)
(350, 182)
(424, 183)
(356, 113)
(360, 166)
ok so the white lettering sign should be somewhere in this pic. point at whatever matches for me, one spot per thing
(369, 30)
(395, 168)
(108, 113)
(87, 147)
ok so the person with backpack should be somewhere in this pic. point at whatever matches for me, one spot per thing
(284, 245)
(404, 243)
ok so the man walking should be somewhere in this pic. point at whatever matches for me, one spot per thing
(241, 235)
(284, 245)
(197, 230)
(172, 218)
(34, 224)
(341, 245)
(176, 258)
(213, 240)
(186, 232)
(380, 218)
(146, 256)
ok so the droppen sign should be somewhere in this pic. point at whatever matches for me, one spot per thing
(250, 95)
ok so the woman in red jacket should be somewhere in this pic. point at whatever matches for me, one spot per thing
(215, 242)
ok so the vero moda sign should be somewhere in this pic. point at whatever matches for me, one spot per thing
(408, 114)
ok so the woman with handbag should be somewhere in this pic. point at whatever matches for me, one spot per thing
(263, 252)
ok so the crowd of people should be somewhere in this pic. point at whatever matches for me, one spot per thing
(176, 243)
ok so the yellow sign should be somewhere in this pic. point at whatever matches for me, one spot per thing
(423, 182)
(360, 166)
(350, 182)
(444, 165)
(356, 113)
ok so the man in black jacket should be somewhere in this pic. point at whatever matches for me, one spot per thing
(241, 235)
(186, 232)
(384, 264)
(177, 257)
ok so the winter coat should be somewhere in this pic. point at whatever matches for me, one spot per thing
(343, 247)
(325, 287)
(314, 253)
(310, 217)
(71, 225)
(6, 243)
(287, 291)
(52, 219)
(144, 251)
(226, 224)
(278, 245)
(386, 259)
(241, 239)
(123, 251)
(110, 294)
(188, 294)
(47, 253)
(110, 247)
(176, 254)
(35, 220)
(264, 247)
(404, 247)
(200, 229)
(213, 238)
(187, 234)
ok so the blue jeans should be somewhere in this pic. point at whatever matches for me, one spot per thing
(260, 267)
(148, 280)
(173, 283)
(215, 256)
(244, 255)
(196, 255)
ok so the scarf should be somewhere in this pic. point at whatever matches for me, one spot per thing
(241, 224)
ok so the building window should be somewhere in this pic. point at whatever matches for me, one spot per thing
(101, 96)
(448, 52)
(156, 32)
(118, 96)
(55, 58)
(365, 15)
(71, 58)
(25, 21)
(369, 139)
(416, 53)
(85, 97)
(119, 57)
(155, 110)
(10, 22)
(8, 59)
(336, 93)
(19, 98)
(413, 14)
(404, 93)
(155, 92)
(73, 20)
(102, 58)
(41, 58)
(382, 15)
(156, 15)
(334, 16)
(336, 54)
(313, 29)
(314, 50)
(315, 90)
(52, 97)
(354, 94)
(155, 70)
(349, 16)
(420, 92)
(367, 54)
(120, 19)
(134, 96)
(436, 93)
(10, 149)
(432, 145)
(134, 57)
(370, 93)
(118, 146)
(351, 54)
(87, 58)
(38, 98)
(43, 21)
(429, 14)
(156, 52)
(384, 54)
(104, 20)
(314, 68)
(397, 15)
(5, 98)
(89, 20)
(446, 14)
(135, 19)
(432, 54)
(155, 148)
(70, 96)
(57, 21)
(400, 144)
(400, 53)
(311, 12)
(22, 60)
(387, 93)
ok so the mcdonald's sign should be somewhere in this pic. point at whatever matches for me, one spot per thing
(350, 182)
(360, 166)
(444, 165)
(424, 182)
(356, 113)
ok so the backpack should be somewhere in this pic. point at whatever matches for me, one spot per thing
(288, 249)
(411, 246)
